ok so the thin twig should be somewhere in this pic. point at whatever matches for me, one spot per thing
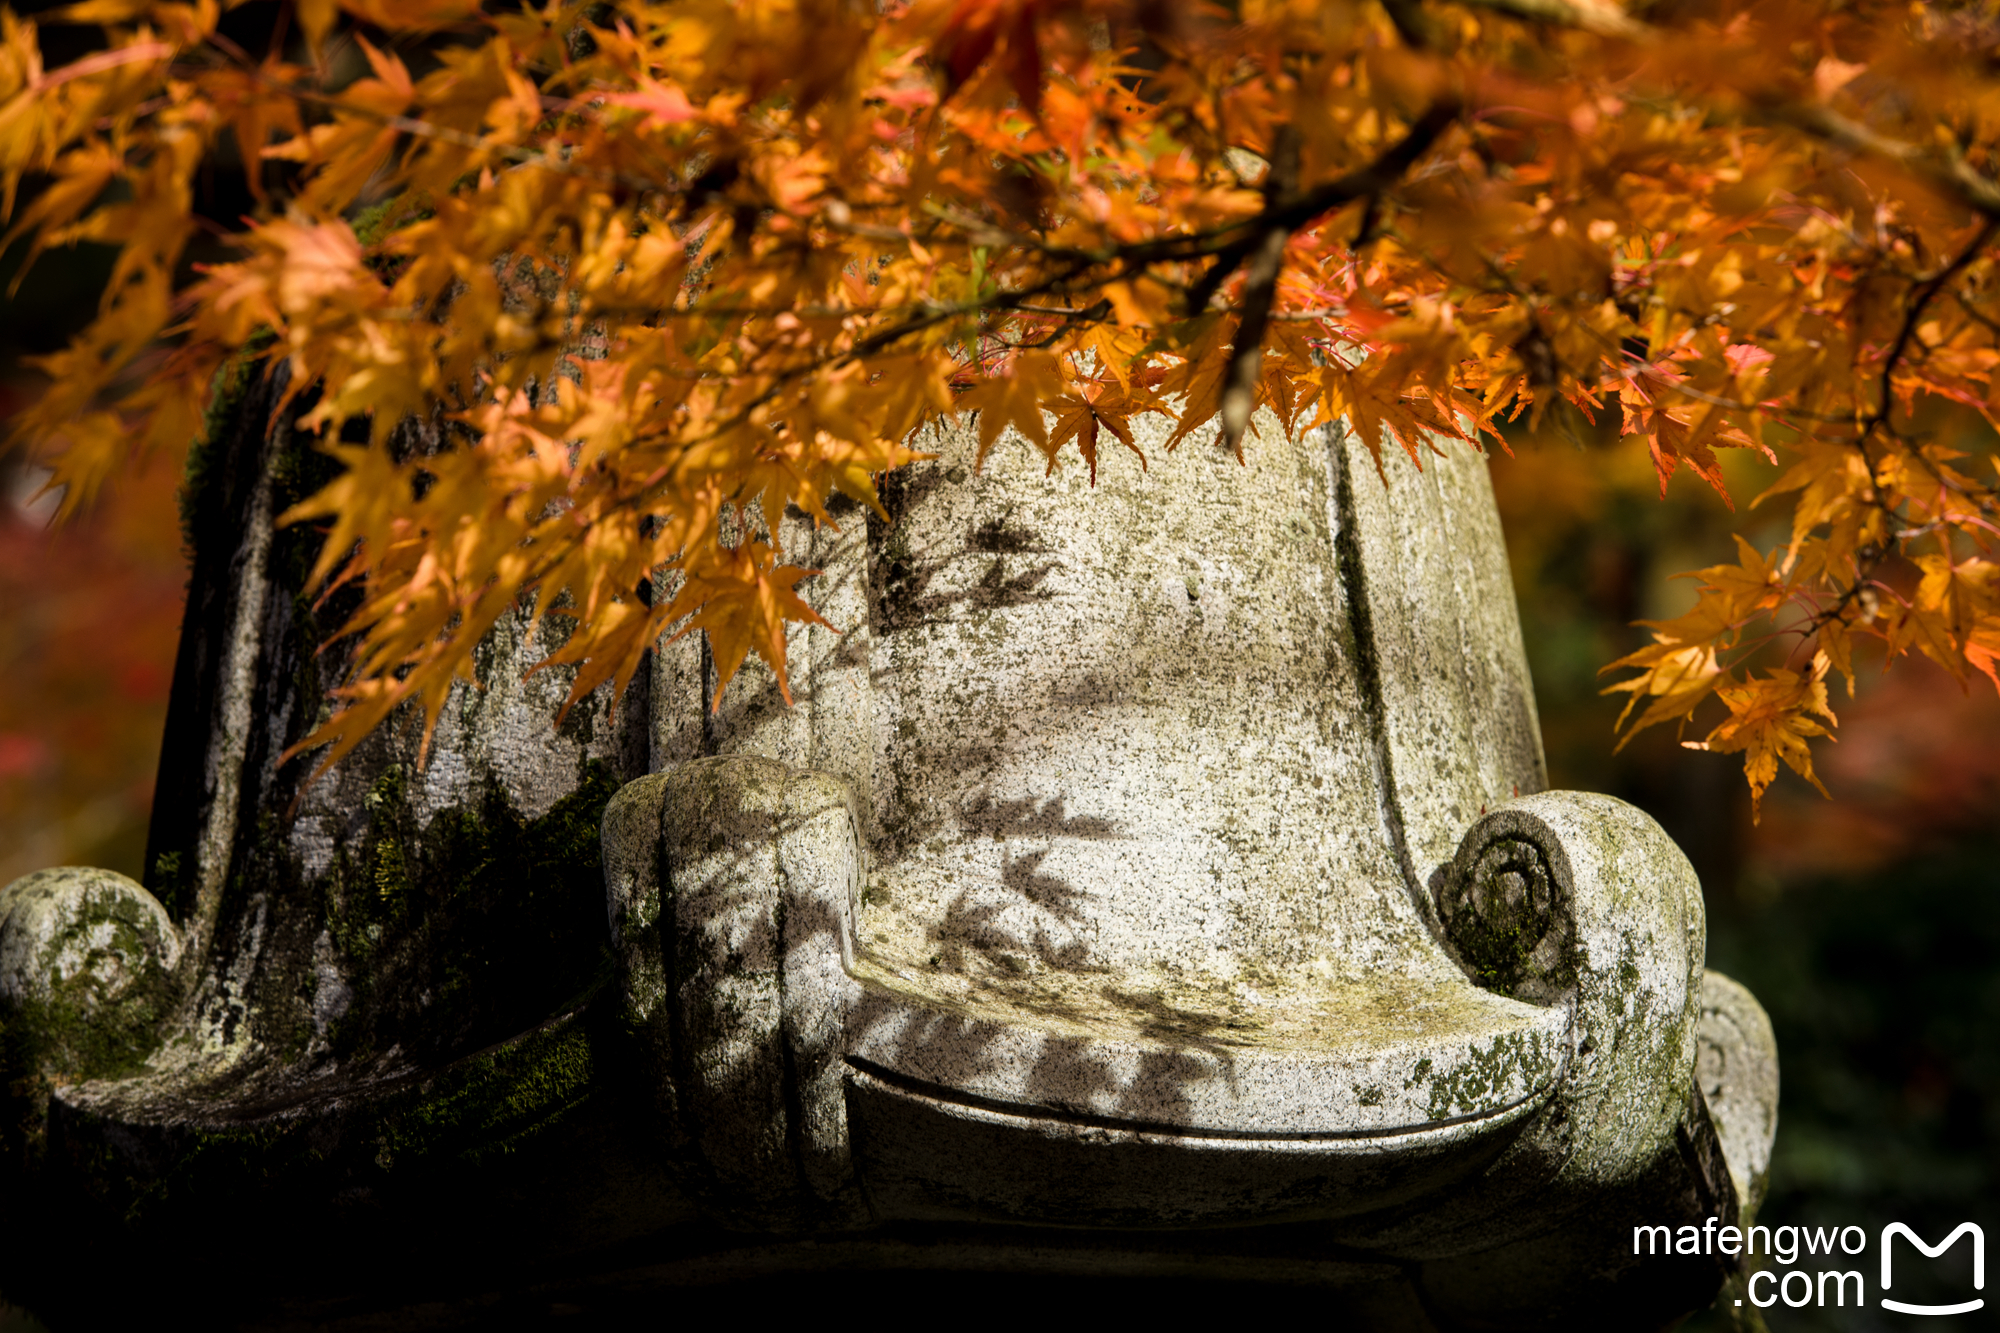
(1922, 295)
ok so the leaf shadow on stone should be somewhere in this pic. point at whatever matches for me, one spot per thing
(902, 581)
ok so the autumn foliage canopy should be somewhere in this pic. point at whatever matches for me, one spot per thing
(664, 269)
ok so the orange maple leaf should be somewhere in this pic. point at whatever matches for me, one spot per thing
(1015, 398)
(1107, 406)
(742, 598)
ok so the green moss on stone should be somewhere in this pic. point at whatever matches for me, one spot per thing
(373, 224)
(98, 1005)
(486, 1105)
(491, 1102)
(454, 924)
(230, 386)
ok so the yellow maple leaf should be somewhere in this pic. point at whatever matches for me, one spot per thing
(1673, 676)
(1771, 718)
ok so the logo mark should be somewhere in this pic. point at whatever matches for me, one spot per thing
(1895, 1229)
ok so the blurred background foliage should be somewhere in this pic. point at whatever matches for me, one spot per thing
(89, 618)
(89, 612)
(1868, 924)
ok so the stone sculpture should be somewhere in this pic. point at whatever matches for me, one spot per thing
(1154, 876)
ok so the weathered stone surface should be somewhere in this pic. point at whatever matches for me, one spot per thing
(1161, 689)
(731, 886)
(1583, 901)
(1154, 876)
(373, 971)
(1211, 881)
(1636, 935)
(1737, 1069)
(86, 965)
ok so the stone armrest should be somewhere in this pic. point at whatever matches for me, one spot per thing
(1582, 901)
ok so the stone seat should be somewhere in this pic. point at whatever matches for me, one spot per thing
(1097, 1101)
(1304, 1059)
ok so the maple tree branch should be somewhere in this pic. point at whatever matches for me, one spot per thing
(1089, 314)
(1263, 249)
(1260, 287)
(1316, 315)
(1246, 355)
(1951, 175)
(1227, 260)
(929, 315)
(1411, 23)
(1864, 579)
(1385, 171)
(880, 340)
(1922, 294)
(1771, 407)
(1921, 297)
(1312, 315)
(1975, 314)
(1237, 238)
